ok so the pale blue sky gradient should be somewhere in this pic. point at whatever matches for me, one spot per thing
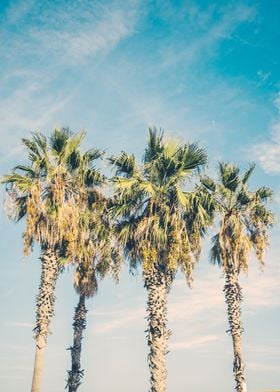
(204, 71)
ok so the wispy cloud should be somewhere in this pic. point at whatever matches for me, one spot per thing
(118, 320)
(192, 307)
(212, 31)
(193, 343)
(64, 33)
(40, 45)
(267, 153)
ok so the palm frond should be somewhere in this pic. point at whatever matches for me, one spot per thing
(125, 164)
(192, 157)
(155, 144)
(70, 144)
(208, 183)
(58, 140)
(263, 194)
(215, 252)
(229, 175)
(246, 176)
(243, 197)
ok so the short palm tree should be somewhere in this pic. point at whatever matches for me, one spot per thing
(47, 192)
(97, 255)
(151, 210)
(244, 224)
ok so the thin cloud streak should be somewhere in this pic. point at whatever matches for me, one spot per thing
(213, 34)
(192, 306)
(123, 318)
(196, 342)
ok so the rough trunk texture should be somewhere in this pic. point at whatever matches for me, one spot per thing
(75, 375)
(157, 283)
(233, 296)
(45, 310)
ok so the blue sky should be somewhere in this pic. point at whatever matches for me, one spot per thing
(204, 71)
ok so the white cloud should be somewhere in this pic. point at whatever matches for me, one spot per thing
(267, 153)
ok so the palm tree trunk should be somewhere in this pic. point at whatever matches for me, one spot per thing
(75, 375)
(233, 297)
(45, 311)
(157, 282)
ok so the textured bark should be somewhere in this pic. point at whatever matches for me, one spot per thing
(157, 282)
(75, 375)
(233, 296)
(45, 311)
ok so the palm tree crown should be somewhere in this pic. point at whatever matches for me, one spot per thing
(49, 189)
(157, 220)
(244, 218)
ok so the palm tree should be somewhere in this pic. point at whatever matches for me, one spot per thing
(47, 192)
(97, 255)
(151, 210)
(244, 223)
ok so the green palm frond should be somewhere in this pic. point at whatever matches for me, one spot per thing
(246, 176)
(93, 154)
(59, 139)
(192, 156)
(125, 164)
(124, 182)
(37, 151)
(244, 218)
(243, 197)
(153, 211)
(31, 145)
(215, 252)
(155, 144)
(21, 182)
(181, 196)
(208, 183)
(69, 145)
(263, 194)
(229, 175)
(149, 188)
(27, 169)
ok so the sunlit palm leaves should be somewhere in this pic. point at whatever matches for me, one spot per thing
(157, 218)
(244, 221)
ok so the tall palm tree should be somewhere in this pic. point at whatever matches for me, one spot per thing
(47, 192)
(244, 224)
(97, 255)
(151, 209)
